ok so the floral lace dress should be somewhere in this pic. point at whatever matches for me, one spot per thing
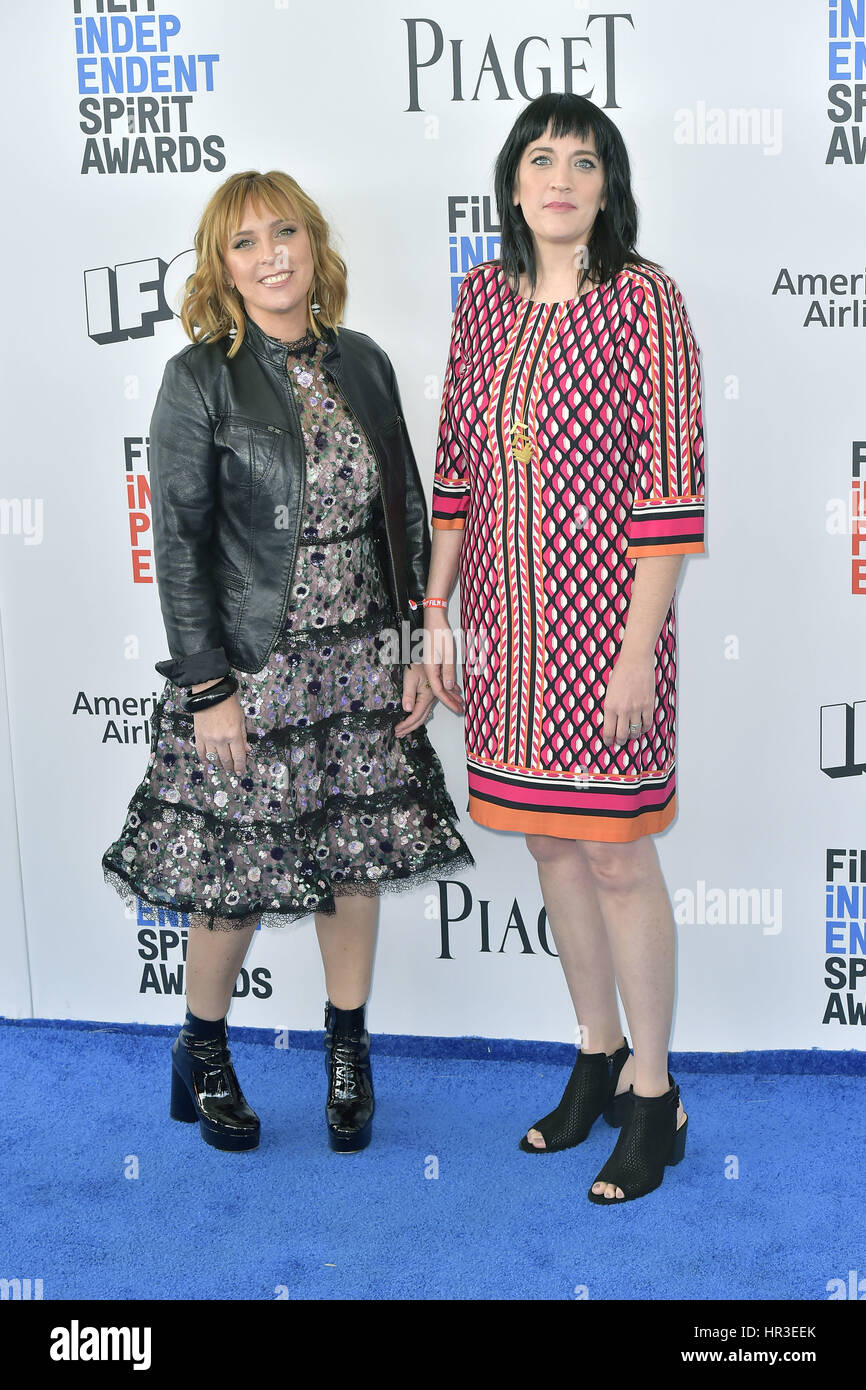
(331, 801)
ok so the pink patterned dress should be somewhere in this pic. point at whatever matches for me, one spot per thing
(570, 445)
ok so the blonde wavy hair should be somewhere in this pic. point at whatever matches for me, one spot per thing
(210, 309)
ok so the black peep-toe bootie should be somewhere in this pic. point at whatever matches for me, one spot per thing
(649, 1139)
(204, 1086)
(350, 1103)
(590, 1092)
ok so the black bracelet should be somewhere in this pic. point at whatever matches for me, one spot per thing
(194, 701)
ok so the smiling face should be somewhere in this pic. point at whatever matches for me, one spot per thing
(270, 262)
(560, 188)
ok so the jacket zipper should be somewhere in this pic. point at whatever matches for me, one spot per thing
(287, 590)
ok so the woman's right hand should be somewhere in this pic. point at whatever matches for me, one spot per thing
(221, 733)
(439, 663)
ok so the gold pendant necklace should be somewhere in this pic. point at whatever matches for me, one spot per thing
(521, 441)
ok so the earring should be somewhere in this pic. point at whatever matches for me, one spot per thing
(315, 307)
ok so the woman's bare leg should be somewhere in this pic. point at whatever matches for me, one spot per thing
(578, 928)
(213, 962)
(611, 919)
(640, 927)
(347, 941)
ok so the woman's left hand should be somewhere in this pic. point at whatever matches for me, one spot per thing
(630, 699)
(417, 698)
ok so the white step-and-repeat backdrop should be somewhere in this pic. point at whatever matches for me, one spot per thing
(745, 127)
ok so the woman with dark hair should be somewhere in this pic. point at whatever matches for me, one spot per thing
(568, 488)
(290, 536)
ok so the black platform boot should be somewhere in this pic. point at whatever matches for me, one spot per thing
(349, 1107)
(204, 1086)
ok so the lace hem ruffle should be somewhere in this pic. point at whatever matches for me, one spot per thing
(177, 857)
(220, 918)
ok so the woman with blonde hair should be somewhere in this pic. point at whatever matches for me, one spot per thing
(291, 545)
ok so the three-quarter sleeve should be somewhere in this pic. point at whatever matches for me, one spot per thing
(451, 477)
(661, 362)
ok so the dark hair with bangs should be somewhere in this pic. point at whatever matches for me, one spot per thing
(611, 242)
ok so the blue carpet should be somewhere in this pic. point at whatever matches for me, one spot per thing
(293, 1219)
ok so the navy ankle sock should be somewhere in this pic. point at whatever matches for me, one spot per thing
(204, 1027)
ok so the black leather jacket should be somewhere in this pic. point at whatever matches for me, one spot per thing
(227, 474)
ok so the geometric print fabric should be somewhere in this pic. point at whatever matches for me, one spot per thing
(570, 446)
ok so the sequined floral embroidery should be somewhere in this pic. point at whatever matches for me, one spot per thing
(330, 801)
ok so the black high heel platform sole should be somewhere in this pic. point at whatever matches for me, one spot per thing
(183, 1107)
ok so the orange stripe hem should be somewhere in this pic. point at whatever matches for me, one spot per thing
(607, 828)
(682, 548)
(440, 524)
